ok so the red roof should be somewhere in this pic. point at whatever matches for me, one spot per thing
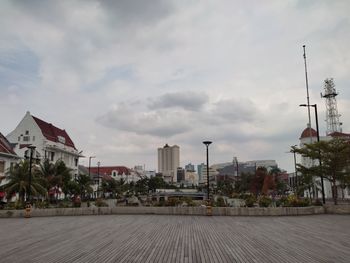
(5, 146)
(107, 170)
(339, 134)
(52, 133)
(306, 133)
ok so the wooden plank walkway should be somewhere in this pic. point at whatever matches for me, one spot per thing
(190, 239)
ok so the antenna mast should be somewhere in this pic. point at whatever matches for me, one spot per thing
(307, 94)
(332, 115)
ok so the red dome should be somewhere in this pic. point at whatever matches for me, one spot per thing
(306, 133)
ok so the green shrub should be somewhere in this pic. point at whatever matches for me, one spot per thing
(188, 201)
(265, 201)
(250, 200)
(173, 202)
(283, 201)
(41, 204)
(64, 204)
(294, 201)
(100, 203)
(317, 202)
(220, 202)
(303, 202)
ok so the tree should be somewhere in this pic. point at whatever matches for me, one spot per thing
(84, 183)
(335, 156)
(62, 175)
(156, 182)
(57, 176)
(109, 186)
(142, 185)
(243, 185)
(18, 181)
(306, 182)
(47, 172)
(258, 180)
(225, 187)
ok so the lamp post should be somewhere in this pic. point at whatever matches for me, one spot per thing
(207, 143)
(318, 140)
(295, 169)
(98, 178)
(32, 148)
(90, 157)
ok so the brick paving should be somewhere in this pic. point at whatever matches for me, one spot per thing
(158, 238)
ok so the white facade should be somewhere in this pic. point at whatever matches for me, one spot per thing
(212, 174)
(307, 162)
(28, 132)
(169, 161)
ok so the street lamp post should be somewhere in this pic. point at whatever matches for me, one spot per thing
(90, 163)
(207, 143)
(98, 178)
(295, 170)
(318, 140)
(32, 148)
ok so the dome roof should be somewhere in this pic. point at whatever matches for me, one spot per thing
(306, 133)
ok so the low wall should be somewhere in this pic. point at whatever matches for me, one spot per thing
(343, 209)
(216, 211)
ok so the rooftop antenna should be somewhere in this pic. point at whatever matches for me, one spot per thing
(307, 94)
(332, 115)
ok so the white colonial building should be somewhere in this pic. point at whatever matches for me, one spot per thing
(7, 159)
(50, 141)
(310, 136)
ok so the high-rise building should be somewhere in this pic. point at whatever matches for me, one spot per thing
(199, 171)
(180, 174)
(168, 162)
(189, 167)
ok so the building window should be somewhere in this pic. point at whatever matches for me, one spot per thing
(76, 162)
(26, 138)
(19, 138)
(33, 138)
(114, 173)
(52, 156)
(2, 166)
(27, 132)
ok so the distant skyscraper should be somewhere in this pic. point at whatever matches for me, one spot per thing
(168, 162)
(180, 174)
(189, 167)
(199, 171)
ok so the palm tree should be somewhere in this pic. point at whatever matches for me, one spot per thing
(18, 181)
(56, 175)
(84, 182)
(47, 172)
(62, 176)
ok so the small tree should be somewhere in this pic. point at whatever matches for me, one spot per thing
(18, 181)
(335, 156)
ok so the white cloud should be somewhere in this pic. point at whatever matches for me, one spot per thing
(173, 71)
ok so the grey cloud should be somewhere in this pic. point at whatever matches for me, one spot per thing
(156, 123)
(235, 110)
(135, 12)
(186, 100)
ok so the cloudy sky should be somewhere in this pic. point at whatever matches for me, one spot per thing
(125, 77)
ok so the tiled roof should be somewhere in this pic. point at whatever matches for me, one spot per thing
(52, 133)
(107, 170)
(5, 146)
(339, 134)
(306, 133)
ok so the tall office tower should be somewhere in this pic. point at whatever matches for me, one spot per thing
(199, 171)
(168, 162)
(189, 167)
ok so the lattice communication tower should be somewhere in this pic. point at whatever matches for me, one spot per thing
(332, 115)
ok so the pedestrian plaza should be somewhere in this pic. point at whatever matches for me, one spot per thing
(161, 238)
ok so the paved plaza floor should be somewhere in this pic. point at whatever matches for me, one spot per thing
(157, 238)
